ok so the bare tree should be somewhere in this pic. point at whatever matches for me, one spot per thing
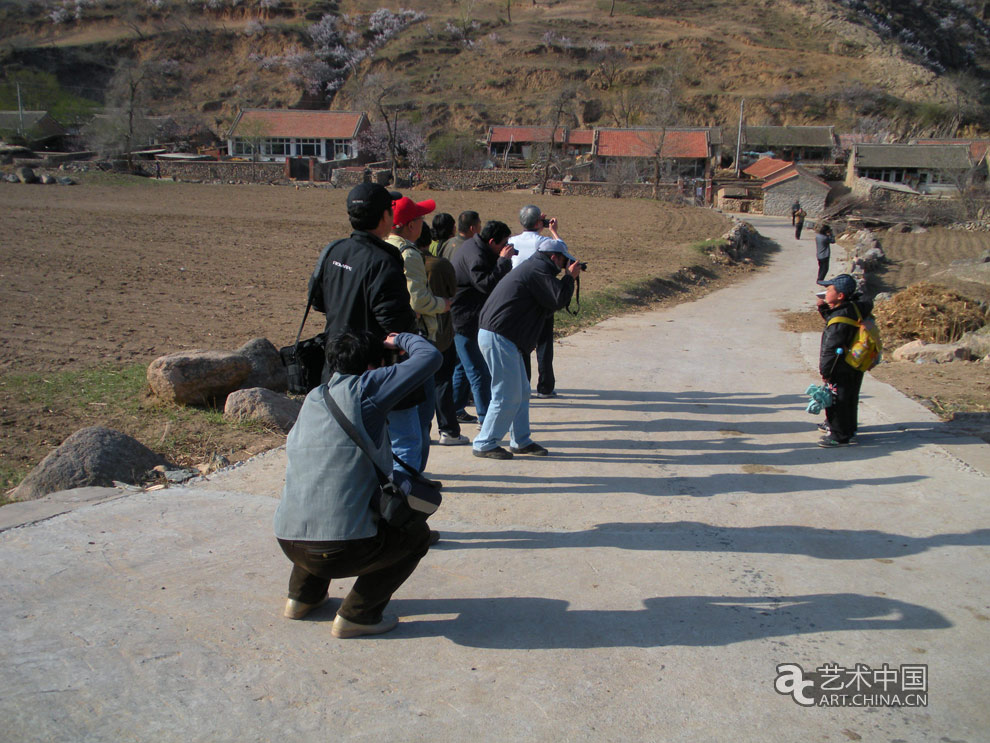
(558, 108)
(380, 92)
(663, 109)
(609, 62)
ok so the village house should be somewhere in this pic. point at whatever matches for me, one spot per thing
(685, 152)
(525, 142)
(278, 134)
(37, 129)
(806, 144)
(917, 168)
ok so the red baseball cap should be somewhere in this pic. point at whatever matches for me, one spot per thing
(405, 210)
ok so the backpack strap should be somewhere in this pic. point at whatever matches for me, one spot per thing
(315, 280)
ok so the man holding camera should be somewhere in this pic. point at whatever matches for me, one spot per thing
(480, 264)
(361, 284)
(526, 243)
(326, 522)
(510, 325)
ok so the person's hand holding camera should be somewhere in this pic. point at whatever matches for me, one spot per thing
(574, 269)
(551, 224)
(507, 251)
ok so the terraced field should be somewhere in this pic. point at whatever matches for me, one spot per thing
(928, 256)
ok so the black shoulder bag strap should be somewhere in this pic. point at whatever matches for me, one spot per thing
(315, 281)
(351, 431)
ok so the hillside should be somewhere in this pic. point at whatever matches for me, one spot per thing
(866, 65)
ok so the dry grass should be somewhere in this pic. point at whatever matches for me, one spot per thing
(927, 312)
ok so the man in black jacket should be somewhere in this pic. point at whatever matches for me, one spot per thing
(510, 324)
(361, 285)
(479, 264)
(841, 300)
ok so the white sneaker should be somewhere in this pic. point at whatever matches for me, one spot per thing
(447, 440)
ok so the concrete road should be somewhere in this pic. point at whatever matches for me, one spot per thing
(685, 538)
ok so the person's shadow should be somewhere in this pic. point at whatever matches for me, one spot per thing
(530, 623)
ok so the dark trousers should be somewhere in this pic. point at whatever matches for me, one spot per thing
(843, 414)
(381, 563)
(446, 410)
(545, 380)
(797, 230)
(822, 268)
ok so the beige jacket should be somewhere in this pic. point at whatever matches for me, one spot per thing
(424, 303)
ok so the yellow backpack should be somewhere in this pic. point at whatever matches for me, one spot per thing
(866, 349)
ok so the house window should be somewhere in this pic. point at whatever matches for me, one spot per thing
(308, 147)
(341, 149)
(242, 147)
(278, 146)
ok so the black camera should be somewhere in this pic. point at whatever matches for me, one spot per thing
(584, 266)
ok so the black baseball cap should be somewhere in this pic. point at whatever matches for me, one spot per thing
(368, 200)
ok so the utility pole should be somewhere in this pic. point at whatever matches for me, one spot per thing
(739, 135)
(20, 111)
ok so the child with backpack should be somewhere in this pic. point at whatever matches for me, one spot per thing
(850, 347)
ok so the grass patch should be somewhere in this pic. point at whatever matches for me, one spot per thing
(42, 410)
(113, 178)
(704, 247)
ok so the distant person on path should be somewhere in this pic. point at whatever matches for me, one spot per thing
(526, 244)
(510, 325)
(824, 239)
(410, 428)
(479, 265)
(325, 522)
(842, 416)
(794, 210)
(361, 284)
(798, 219)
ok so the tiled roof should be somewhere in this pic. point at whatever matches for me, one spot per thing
(307, 124)
(581, 136)
(935, 156)
(977, 147)
(782, 136)
(36, 123)
(643, 143)
(794, 171)
(506, 134)
(766, 166)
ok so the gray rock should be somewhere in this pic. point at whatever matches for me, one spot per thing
(47, 180)
(939, 353)
(267, 369)
(26, 175)
(11, 178)
(263, 405)
(900, 228)
(197, 377)
(180, 475)
(882, 297)
(66, 181)
(918, 230)
(90, 456)
(977, 342)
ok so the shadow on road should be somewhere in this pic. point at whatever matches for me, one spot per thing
(826, 544)
(528, 623)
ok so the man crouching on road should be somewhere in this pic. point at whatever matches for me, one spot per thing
(510, 324)
(326, 523)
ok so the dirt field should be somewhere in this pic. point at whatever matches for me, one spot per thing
(111, 277)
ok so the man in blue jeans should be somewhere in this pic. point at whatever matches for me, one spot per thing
(509, 328)
(480, 264)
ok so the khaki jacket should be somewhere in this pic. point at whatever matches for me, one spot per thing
(424, 303)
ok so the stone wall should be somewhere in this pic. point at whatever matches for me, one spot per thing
(231, 171)
(777, 200)
(475, 180)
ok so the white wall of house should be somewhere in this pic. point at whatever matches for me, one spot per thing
(777, 199)
(279, 148)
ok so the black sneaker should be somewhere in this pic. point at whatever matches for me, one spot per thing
(823, 427)
(534, 449)
(827, 442)
(466, 417)
(497, 453)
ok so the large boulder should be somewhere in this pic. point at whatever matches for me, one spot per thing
(90, 456)
(197, 377)
(263, 405)
(26, 175)
(267, 369)
(939, 353)
(977, 342)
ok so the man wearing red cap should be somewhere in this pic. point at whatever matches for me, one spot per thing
(410, 429)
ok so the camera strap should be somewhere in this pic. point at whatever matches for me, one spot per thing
(577, 298)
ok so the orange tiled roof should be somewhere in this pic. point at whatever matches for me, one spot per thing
(581, 136)
(643, 143)
(505, 134)
(792, 171)
(766, 166)
(308, 124)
